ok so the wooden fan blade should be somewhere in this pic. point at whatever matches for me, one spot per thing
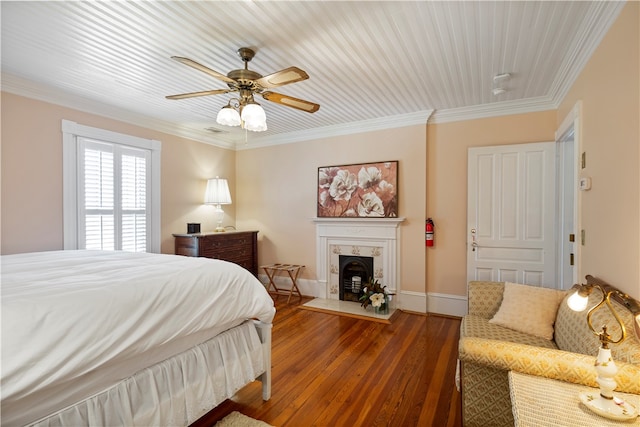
(200, 67)
(194, 94)
(290, 101)
(282, 77)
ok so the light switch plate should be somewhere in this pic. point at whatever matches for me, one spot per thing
(585, 184)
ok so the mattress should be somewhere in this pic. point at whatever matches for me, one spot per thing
(75, 323)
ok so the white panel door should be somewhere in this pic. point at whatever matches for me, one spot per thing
(511, 213)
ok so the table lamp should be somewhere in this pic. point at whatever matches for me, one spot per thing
(217, 194)
(606, 404)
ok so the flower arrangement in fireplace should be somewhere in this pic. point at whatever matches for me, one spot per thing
(375, 294)
(360, 190)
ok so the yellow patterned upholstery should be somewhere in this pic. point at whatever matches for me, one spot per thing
(485, 298)
(576, 336)
(478, 327)
(488, 352)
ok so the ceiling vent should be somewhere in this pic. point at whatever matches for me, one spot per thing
(215, 130)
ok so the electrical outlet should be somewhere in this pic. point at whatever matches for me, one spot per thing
(582, 237)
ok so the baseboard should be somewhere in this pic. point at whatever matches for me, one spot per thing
(447, 304)
(411, 301)
(307, 287)
(433, 303)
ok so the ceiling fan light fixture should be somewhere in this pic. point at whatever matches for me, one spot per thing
(243, 110)
(254, 117)
(228, 116)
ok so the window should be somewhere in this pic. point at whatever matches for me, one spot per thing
(111, 190)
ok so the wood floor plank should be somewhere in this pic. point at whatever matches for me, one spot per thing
(331, 370)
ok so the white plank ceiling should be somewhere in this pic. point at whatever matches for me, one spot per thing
(369, 62)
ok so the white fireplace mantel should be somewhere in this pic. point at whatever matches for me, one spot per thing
(382, 233)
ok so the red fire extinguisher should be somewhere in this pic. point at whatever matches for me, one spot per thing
(428, 232)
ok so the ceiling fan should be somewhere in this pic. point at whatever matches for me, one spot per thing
(247, 83)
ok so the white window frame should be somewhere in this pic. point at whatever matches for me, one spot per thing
(71, 131)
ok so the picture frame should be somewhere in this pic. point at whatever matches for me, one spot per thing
(359, 190)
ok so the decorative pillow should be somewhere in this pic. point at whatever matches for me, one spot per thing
(528, 309)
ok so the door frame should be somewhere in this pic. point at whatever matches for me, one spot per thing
(572, 122)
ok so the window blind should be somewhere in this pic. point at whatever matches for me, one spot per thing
(114, 186)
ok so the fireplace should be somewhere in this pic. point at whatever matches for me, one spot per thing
(374, 238)
(355, 271)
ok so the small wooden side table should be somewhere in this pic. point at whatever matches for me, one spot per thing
(292, 269)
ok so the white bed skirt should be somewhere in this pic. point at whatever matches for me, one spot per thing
(179, 390)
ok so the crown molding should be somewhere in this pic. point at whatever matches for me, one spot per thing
(496, 109)
(371, 125)
(600, 20)
(29, 89)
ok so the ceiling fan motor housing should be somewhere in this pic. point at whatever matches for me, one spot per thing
(244, 79)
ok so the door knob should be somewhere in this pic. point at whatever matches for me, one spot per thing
(474, 244)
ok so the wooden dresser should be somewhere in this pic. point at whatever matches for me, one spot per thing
(239, 247)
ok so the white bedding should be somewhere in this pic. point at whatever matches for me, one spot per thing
(177, 391)
(75, 323)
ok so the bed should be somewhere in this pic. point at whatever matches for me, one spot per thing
(116, 338)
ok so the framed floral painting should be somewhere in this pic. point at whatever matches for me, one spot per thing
(362, 190)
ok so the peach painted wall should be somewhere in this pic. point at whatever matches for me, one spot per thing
(277, 194)
(32, 175)
(609, 88)
(273, 188)
(447, 147)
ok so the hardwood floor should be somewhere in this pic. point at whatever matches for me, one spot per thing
(331, 370)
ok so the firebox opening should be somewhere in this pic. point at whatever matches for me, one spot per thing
(355, 271)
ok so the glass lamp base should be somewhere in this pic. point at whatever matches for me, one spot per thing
(219, 219)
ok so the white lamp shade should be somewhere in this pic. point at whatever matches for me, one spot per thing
(228, 116)
(217, 192)
(254, 118)
(256, 127)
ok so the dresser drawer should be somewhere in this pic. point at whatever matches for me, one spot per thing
(228, 254)
(247, 263)
(187, 247)
(213, 245)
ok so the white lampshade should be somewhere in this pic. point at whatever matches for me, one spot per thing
(228, 116)
(217, 192)
(254, 117)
